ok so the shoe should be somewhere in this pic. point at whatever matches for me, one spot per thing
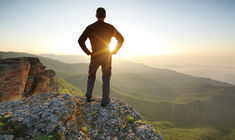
(104, 103)
(88, 99)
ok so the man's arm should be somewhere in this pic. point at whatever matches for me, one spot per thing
(120, 40)
(81, 41)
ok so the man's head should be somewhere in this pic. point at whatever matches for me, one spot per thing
(100, 13)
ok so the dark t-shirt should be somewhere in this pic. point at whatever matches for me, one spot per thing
(100, 35)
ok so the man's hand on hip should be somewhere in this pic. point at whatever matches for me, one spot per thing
(113, 52)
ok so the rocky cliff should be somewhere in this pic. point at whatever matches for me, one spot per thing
(23, 77)
(70, 117)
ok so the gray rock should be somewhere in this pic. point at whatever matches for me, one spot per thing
(73, 118)
(6, 137)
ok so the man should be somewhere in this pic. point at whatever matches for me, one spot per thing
(100, 35)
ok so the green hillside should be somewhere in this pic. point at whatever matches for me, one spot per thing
(66, 87)
(172, 131)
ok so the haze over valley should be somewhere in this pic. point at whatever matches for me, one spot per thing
(219, 67)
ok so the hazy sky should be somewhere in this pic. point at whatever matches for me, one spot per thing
(148, 26)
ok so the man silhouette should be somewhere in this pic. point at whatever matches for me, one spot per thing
(100, 34)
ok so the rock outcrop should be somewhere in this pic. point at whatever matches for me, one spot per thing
(23, 77)
(70, 117)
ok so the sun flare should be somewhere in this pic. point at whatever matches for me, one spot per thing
(112, 44)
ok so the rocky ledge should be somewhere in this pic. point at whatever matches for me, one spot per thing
(23, 77)
(63, 116)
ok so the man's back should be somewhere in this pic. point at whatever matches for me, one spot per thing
(100, 35)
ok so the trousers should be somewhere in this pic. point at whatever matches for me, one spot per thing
(103, 60)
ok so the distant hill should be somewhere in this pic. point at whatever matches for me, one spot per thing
(67, 58)
(220, 67)
(80, 68)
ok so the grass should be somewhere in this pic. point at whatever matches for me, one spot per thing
(191, 134)
(8, 127)
(130, 119)
(231, 135)
(66, 87)
(53, 136)
(172, 131)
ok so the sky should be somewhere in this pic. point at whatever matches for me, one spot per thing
(150, 27)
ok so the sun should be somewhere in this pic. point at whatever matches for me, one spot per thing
(112, 44)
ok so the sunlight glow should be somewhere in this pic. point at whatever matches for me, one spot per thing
(112, 44)
(144, 42)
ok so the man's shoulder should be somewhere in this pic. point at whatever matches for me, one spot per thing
(104, 23)
(98, 25)
(89, 26)
(108, 24)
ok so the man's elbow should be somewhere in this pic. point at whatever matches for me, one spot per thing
(81, 41)
(121, 40)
